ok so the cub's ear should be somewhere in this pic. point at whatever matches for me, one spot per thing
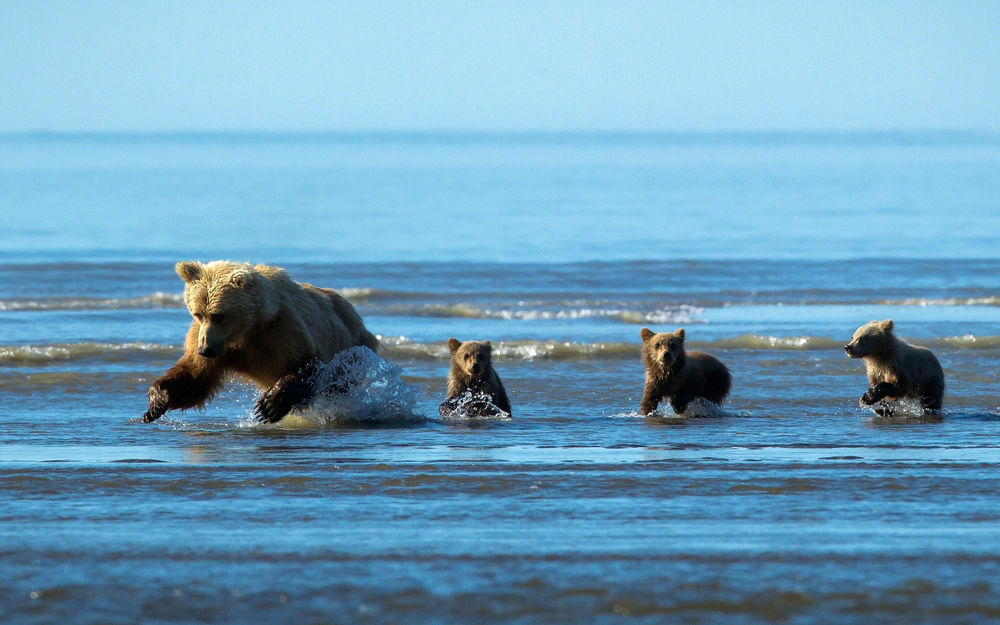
(679, 333)
(454, 344)
(188, 270)
(645, 334)
(240, 279)
(887, 325)
(488, 346)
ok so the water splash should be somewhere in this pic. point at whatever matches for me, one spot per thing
(696, 408)
(473, 405)
(905, 410)
(358, 387)
(700, 407)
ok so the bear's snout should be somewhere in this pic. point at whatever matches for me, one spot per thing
(849, 350)
(208, 351)
(477, 368)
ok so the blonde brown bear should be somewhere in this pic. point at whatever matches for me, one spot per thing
(254, 321)
(472, 370)
(895, 368)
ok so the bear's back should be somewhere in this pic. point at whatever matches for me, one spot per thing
(709, 375)
(920, 367)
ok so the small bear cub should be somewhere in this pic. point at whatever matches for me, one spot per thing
(472, 370)
(681, 376)
(896, 369)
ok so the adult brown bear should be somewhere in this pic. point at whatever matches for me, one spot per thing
(254, 321)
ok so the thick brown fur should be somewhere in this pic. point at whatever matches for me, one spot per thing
(679, 375)
(256, 322)
(895, 368)
(472, 369)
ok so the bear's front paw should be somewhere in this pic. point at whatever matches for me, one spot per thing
(268, 408)
(159, 401)
(287, 393)
(868, 398)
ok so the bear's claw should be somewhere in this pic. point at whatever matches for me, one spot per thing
(265, 409)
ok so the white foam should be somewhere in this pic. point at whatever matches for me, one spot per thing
(475, 406)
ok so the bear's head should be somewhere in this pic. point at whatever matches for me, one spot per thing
(661, 350)
(872, 339)
(473, 358)
(227, 300)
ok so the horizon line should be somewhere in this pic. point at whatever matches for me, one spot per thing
(884, 133)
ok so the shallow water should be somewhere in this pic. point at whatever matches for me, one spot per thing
(792, 504)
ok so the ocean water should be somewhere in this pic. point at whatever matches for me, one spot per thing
(792, 504)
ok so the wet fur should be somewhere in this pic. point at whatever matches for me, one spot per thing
(679, 375)
(462, 377)
(272, 331)
(895, 368)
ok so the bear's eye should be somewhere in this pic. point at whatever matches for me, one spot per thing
(217, 318)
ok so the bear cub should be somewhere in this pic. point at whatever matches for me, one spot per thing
(682, 376)
(472, 370)
(895, 368)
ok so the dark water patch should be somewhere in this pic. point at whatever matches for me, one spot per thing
(559, 590)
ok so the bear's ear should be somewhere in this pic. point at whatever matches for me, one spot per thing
(645, 334)
(454, 344)
(240, 279)
(488, 346)
(188, 270)
(679, 333)
(887, 325)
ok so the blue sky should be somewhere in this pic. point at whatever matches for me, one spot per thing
(597, 65)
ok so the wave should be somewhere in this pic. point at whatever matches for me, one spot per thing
(153, 300)
(758, 341)
(993, 300)
(41, 354)
(518, 349)
(511, 306)
(674, 314)
(966, 341)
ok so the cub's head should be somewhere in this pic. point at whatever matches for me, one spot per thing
(661, 350)
(474, 358)
(226, 300)
(872, 339)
